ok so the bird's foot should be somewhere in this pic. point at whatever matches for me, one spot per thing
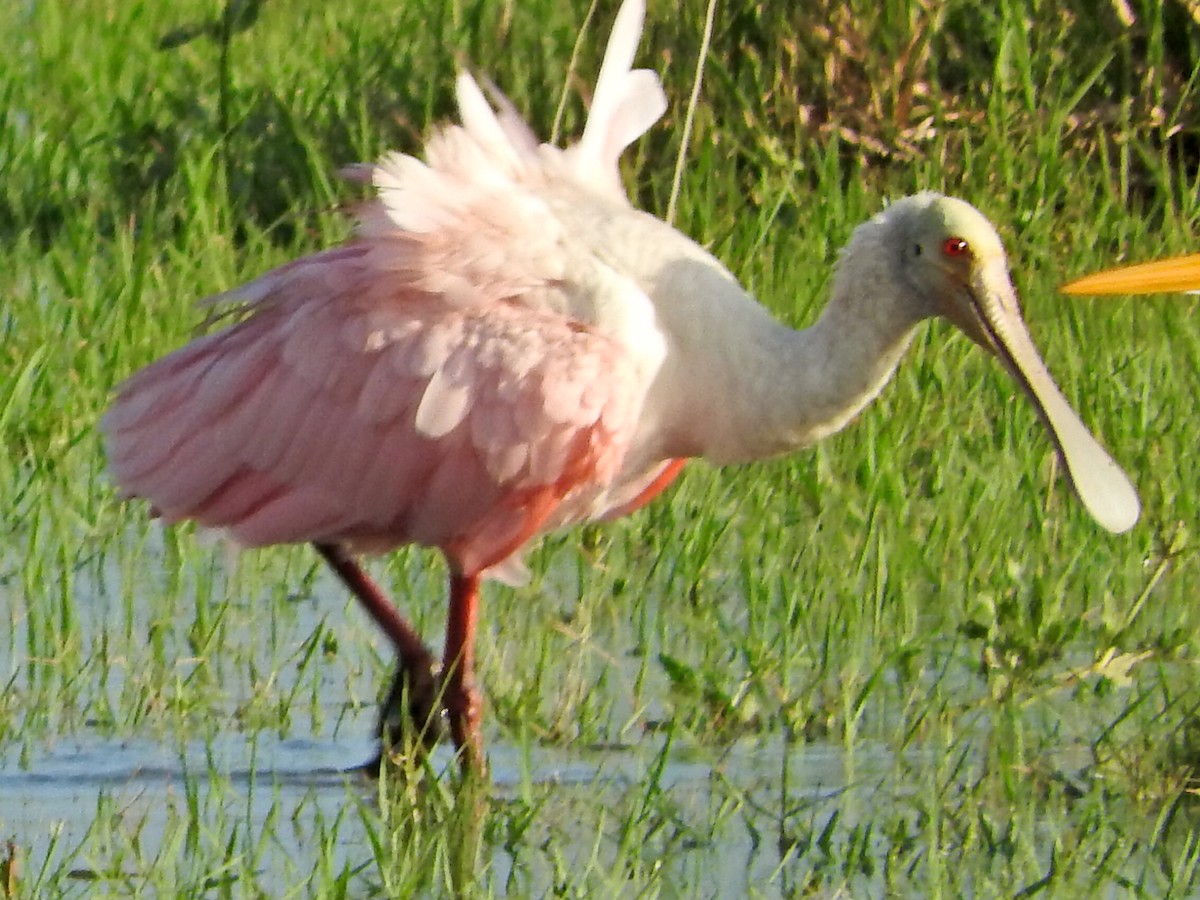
(412, 717)
(423, 708)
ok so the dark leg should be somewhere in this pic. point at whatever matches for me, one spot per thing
(415, 692)
(464, 706)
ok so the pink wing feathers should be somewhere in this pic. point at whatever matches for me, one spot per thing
(375, 417)
(433, 381)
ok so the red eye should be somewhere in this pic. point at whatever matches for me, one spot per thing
(956, 246)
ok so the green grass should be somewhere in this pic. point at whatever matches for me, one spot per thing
(904, 662)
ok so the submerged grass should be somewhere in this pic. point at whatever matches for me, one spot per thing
(904, 662)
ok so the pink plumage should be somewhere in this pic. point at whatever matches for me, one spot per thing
(443, 379)
(434, 381)
(351, 408)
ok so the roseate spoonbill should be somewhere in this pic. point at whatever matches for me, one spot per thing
(506, 347)
(1180, 273)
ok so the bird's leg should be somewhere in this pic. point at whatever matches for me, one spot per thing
(464, 706)
(415, 691)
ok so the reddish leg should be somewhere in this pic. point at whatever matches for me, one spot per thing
(416, 669)
(464, 706)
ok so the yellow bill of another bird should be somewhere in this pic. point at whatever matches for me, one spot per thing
(1180, 273)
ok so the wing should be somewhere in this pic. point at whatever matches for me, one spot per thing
(463, 373)
(353, 408)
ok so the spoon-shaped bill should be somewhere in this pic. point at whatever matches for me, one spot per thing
(1181, 273)
(1102, 486)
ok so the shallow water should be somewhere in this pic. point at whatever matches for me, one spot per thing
(126, 804)
(52, 802)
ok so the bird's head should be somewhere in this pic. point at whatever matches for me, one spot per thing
(951, 263)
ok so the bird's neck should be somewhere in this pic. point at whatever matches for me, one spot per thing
(797, 387)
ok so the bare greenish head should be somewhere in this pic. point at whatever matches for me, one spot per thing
(953, 265)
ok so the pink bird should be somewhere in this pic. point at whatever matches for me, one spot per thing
(506, 346)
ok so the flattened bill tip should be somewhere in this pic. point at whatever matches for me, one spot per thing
(1101, 485)
(1118, 509)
